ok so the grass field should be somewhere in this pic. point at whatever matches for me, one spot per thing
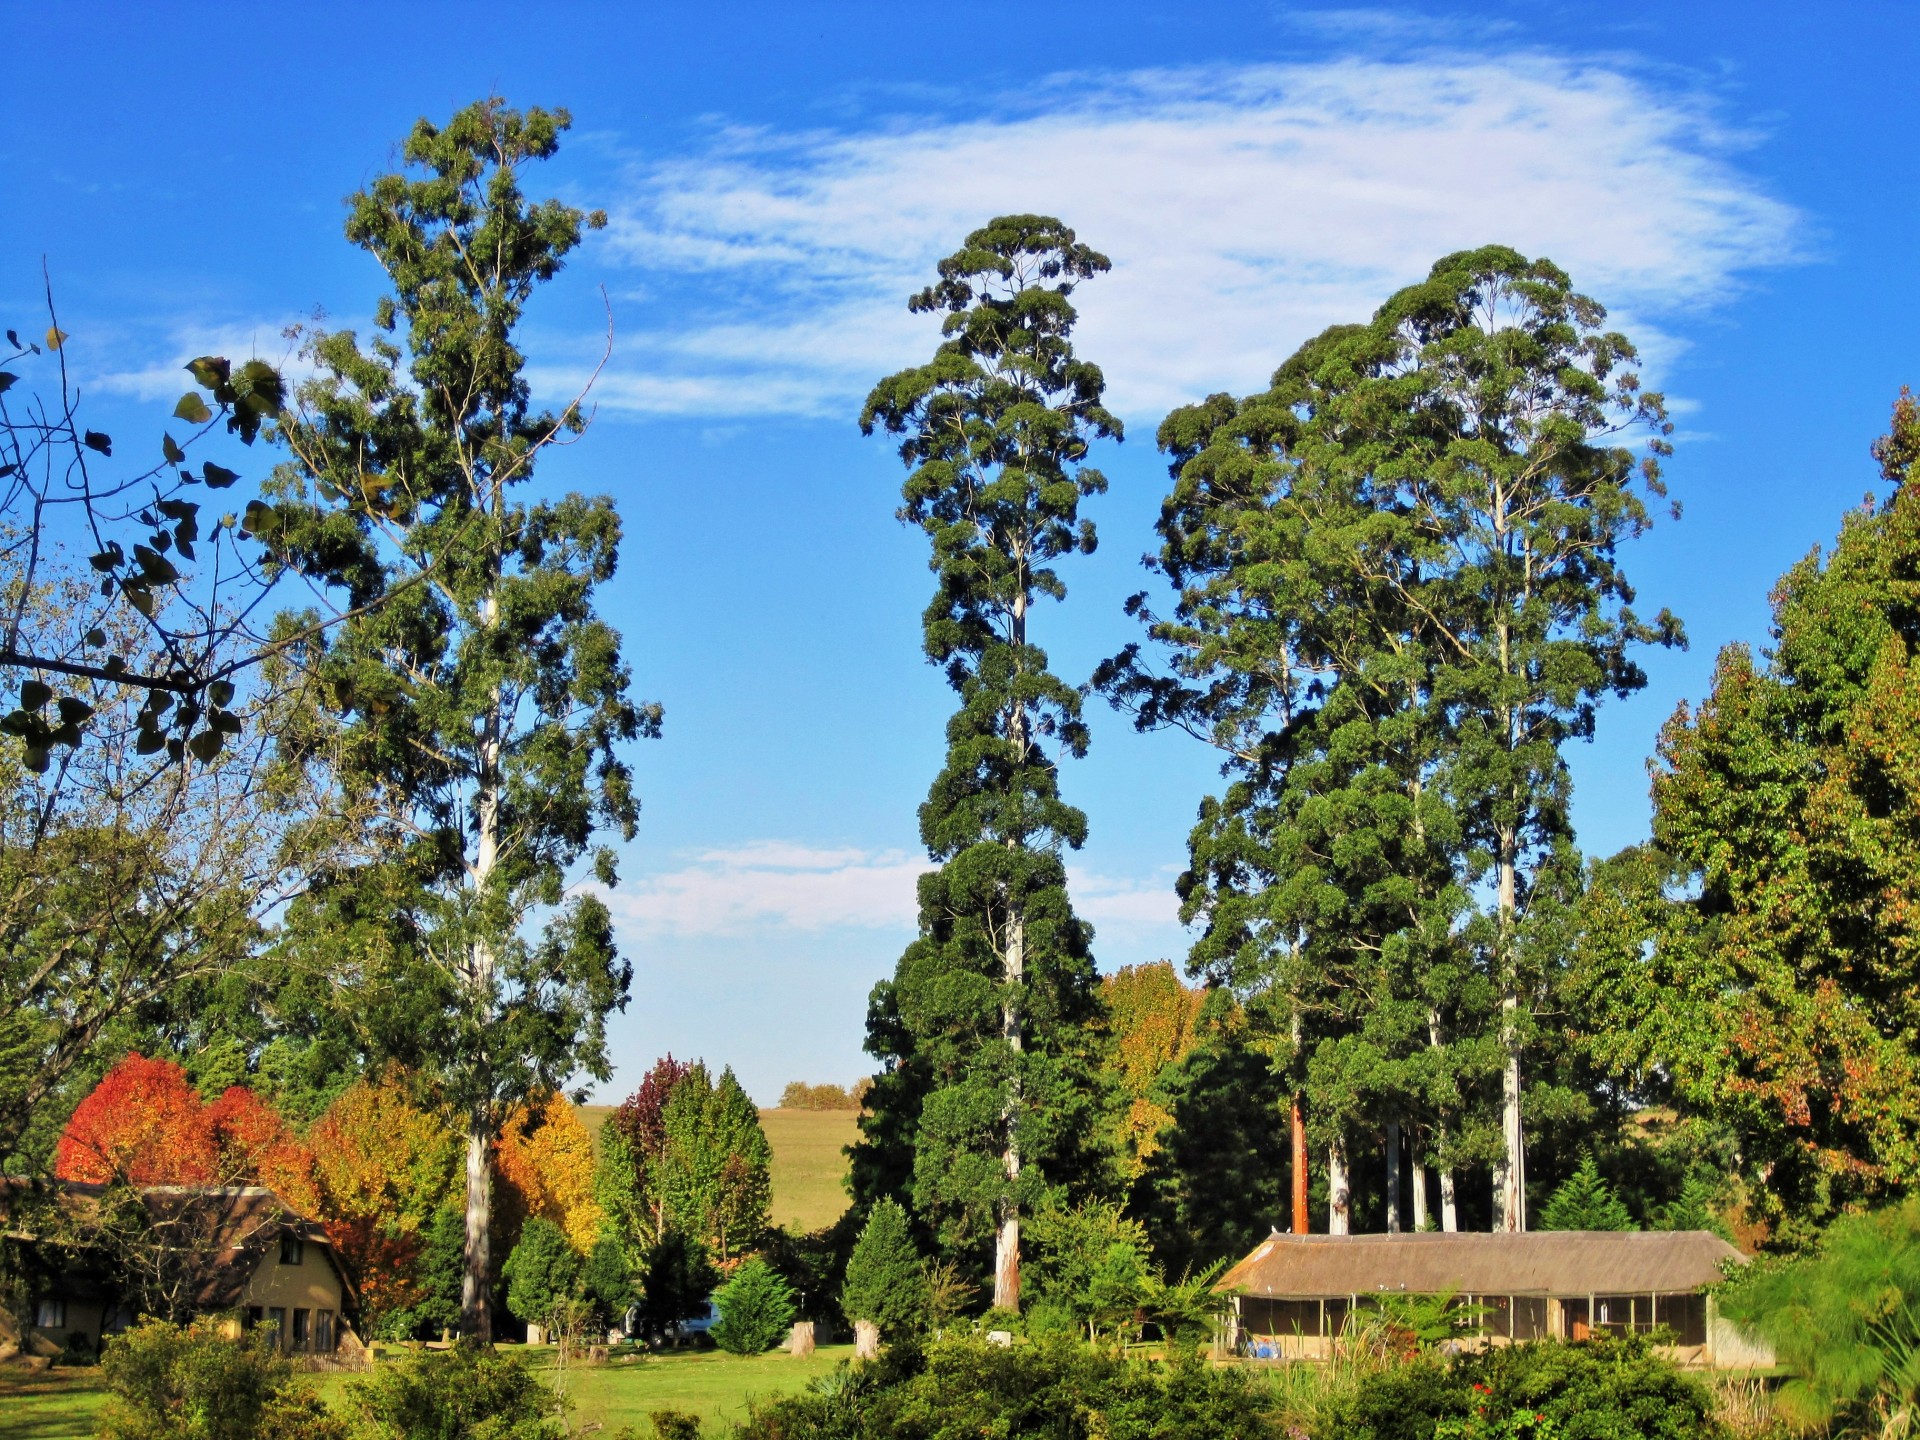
(61, 1404)
(809, 1166)
(809, 1170)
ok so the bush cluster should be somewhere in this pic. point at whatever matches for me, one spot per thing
(801, 1096)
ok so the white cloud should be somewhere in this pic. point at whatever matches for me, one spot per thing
(1244, 209)
(772, 884)
(768, 885)
(166, 379)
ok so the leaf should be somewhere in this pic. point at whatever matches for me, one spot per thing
(175, 749)
(148, 741)
(259, 518)
(220, 692)
(13, 338)
(35, 758)
(192, 409)
(155, 568)
(56, 337)
(94, 440)
(170, 449)
(96, 636)
(206, 745)
(108, 559)
(17, 722)
(74, 711)
(35, 694)
(7, 379)
(138, 596)
(218, 476)
(210, 371)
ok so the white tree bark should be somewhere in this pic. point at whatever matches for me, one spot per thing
(1393, 1178)
(1339, 1190)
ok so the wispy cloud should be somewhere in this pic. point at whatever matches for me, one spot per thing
(773, 885)
(1244, 208)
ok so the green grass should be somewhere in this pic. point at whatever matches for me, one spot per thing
(56, 1404)
(809, 1168)
(716, 1386)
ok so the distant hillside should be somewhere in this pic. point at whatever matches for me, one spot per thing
(809, 1170)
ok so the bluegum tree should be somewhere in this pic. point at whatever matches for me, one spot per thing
(474, 698)
(989, 1028)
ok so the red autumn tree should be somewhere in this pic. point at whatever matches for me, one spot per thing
(143, 1123)
(254, 1146)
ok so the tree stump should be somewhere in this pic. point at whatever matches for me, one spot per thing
(866, 1340)
(800, 1343)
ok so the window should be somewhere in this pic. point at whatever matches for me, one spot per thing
(323, 1331)
(1614, 1313)
(302, 1329)
(254, 1316)
(50, 1314)
(277, 1317)
(1529, 1317)
(292, 1249)
(1686, 1317)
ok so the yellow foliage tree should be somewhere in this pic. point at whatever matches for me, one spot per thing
(1153, 1017)
(543, 1165)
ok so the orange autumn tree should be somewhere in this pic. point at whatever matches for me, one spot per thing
(1152, 1015)
(543, 1166)
(254, 1146)
(382, 1165)
(144, 1124)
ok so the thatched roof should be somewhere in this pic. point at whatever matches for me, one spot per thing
(1542, 1262)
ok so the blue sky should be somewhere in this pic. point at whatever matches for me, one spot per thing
(1737, 184)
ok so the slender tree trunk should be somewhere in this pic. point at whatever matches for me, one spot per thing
(1006, 1254)
(1420, 1215)
(1449, 1211)
(1339, 1190)
(476, 1321)
(1393, 1178)
(1510, 1175)
(1006, 1250)
(1302, 1222)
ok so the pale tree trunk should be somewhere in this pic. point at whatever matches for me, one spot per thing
(476, 1321)
(1006, 1248)
(1393, 1178)
(1420, 1215)
(1339, 1191)
(1006, 1252)
(1510, 1174)
(1449, 1214)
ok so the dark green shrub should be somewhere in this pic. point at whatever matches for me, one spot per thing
(961, 1388)
(674, 1425)
(886, 1278)
(1605, 1389)
(756, 1309)
(175, 1382)
(459, 1394)
(542, 1272)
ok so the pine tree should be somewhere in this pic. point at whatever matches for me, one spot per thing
(886, 1281)
(988, 1028)
(1583, 1201)
(478, 700)
(756, 1307)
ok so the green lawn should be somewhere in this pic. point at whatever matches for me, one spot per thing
(53, 1405)
(60, 1404)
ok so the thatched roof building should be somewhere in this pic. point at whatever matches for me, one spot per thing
(1294, 1294)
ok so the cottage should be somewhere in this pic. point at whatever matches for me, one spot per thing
(236, 1251)
(1292, 1295)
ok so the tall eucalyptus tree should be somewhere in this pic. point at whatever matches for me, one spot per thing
(987, 1029)
(478, 699)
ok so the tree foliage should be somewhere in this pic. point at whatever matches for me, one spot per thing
(544, 1167)
(481, 702)
(542, 1272)
(886, 1280)
(988, 1028)
(1787, 802)
(1398, 597)
(756, 1309)
(191, 1382)
(1583, 1201)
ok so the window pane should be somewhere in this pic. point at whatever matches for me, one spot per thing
(1529, 1317)
(1686, 1316)
(302, 1329)
(323, 1332)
